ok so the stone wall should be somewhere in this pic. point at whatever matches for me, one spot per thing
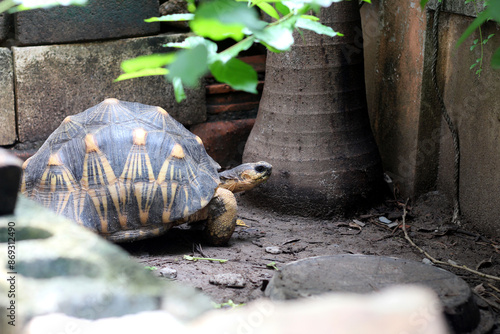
(63, 60)
(414, 141)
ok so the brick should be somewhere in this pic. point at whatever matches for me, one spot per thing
(225, 140)
(221, 99)
(99, 19)
(55, 81)
(7, 105)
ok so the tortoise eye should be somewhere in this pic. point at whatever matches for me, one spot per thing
(260, 169)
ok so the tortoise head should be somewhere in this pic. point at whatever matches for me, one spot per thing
(245, 176)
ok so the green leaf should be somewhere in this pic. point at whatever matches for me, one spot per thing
(237, 74)
(482, 17)
(147, 62)
(221, 19)
(214, 29)
(495, 60)
(309, 17)
(269, 10)
(179, 92)
(142, 73)
(191, 6)
(33, 4)
(193, 41)
(473, 65)
(278, 37)
(284, 10)
(494, 9)
(235, 49)
(171, 17)
(190, 65)
(272, 265)
(316, 27)
(270, 48)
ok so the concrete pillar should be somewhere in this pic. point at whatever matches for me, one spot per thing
(7, 111)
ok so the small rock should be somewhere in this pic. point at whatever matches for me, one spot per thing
(295, 248)
(230, 280)
(394, 215)
(360, 223)
(168, 272)
(426, 261)
(384, 220)
(273, 250)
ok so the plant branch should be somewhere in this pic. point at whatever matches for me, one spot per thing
(247, 39)
(481, 41)
(435, 261)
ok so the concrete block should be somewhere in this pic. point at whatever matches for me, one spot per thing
(60, 267)
(459, 6)
(7, 104)
(474, 107)
(55, 81)
(99, 19)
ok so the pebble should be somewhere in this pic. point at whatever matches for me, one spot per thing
(426, 261)
(168, 272)
(273, 250)
(230, 280)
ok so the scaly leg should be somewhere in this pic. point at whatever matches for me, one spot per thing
(221, 217)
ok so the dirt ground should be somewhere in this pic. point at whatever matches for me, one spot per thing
(298, 237)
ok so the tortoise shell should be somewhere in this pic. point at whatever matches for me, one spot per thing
(120, 167)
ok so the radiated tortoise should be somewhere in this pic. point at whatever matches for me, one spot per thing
(130, 171)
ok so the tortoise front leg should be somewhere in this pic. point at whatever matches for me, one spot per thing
(221, 217)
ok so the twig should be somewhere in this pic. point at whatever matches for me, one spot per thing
(199, 250)
(435, 261)
(492, 304)
(251, 219)
(494, 287)
(195, 258)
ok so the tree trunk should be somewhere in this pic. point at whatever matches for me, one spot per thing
(313, 124)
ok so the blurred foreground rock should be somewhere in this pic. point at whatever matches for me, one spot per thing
(10, 175)
(60, 267)
(408, 309)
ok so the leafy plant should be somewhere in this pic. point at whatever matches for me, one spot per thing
(150, 268)
(491, 12)
(220, 19)
(19, 5)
